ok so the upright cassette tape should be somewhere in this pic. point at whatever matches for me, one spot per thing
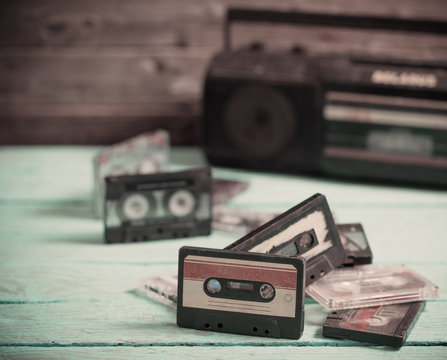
(241, 292)
(355, 244)
(307, 230)
(158, 206)
(382, 325)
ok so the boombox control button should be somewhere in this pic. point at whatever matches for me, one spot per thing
(288, 297)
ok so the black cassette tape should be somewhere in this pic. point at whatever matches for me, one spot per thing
(158, 206)
(307, 230)
(241, 292)
(355, 244)
(382, 325)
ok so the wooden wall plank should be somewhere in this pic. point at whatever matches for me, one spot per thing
(81, 130)
(61, 62)
(171, 23)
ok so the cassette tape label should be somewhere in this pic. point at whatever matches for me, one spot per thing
(312, 221)
(227, 274)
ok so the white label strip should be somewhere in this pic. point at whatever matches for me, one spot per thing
(385, 117)
(315, 221)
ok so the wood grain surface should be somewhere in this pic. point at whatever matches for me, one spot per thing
(66, 294)
(96, 72)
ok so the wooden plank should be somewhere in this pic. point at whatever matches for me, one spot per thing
(37, 233)
(143, 23)
(130, 319)
(76, 277)
(221, 352)
(63, 293)
(91, 129)
(63, 174)
(93, 79)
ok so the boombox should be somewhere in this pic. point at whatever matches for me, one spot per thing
(350, 116)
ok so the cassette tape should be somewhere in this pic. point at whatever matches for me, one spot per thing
(147, 153)
(161, 288)
(307, 230)
(224, 190)
(238, 220)
(371, 285)
(355, 244)
(240, 292)
(382, 325)
(158, 206)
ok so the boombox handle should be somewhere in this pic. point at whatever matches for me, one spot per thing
(340, 21)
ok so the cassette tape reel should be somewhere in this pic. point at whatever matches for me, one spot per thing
(307, 230)
(158, 206)
(240, 292)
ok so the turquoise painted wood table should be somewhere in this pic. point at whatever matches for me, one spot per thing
(66, 294)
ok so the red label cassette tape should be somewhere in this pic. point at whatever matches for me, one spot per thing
(240, 292)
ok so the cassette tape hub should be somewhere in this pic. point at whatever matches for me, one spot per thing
(307, 230)
(240, 292)
(158, 206)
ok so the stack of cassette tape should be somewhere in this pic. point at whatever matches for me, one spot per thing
(139, 200)
(256, 285)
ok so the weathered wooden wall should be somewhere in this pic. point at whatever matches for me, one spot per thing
(98, 71)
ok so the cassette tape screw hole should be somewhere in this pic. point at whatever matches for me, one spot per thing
(267, 332)
(207, 326)
(312, 277)
(255, 329)
(220, 325)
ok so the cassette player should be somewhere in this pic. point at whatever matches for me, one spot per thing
(240, 292)
(307, 230)
(353, 115)
(158, 206)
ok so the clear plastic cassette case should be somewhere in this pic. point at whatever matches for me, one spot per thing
(370, 285)
(161, 288)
